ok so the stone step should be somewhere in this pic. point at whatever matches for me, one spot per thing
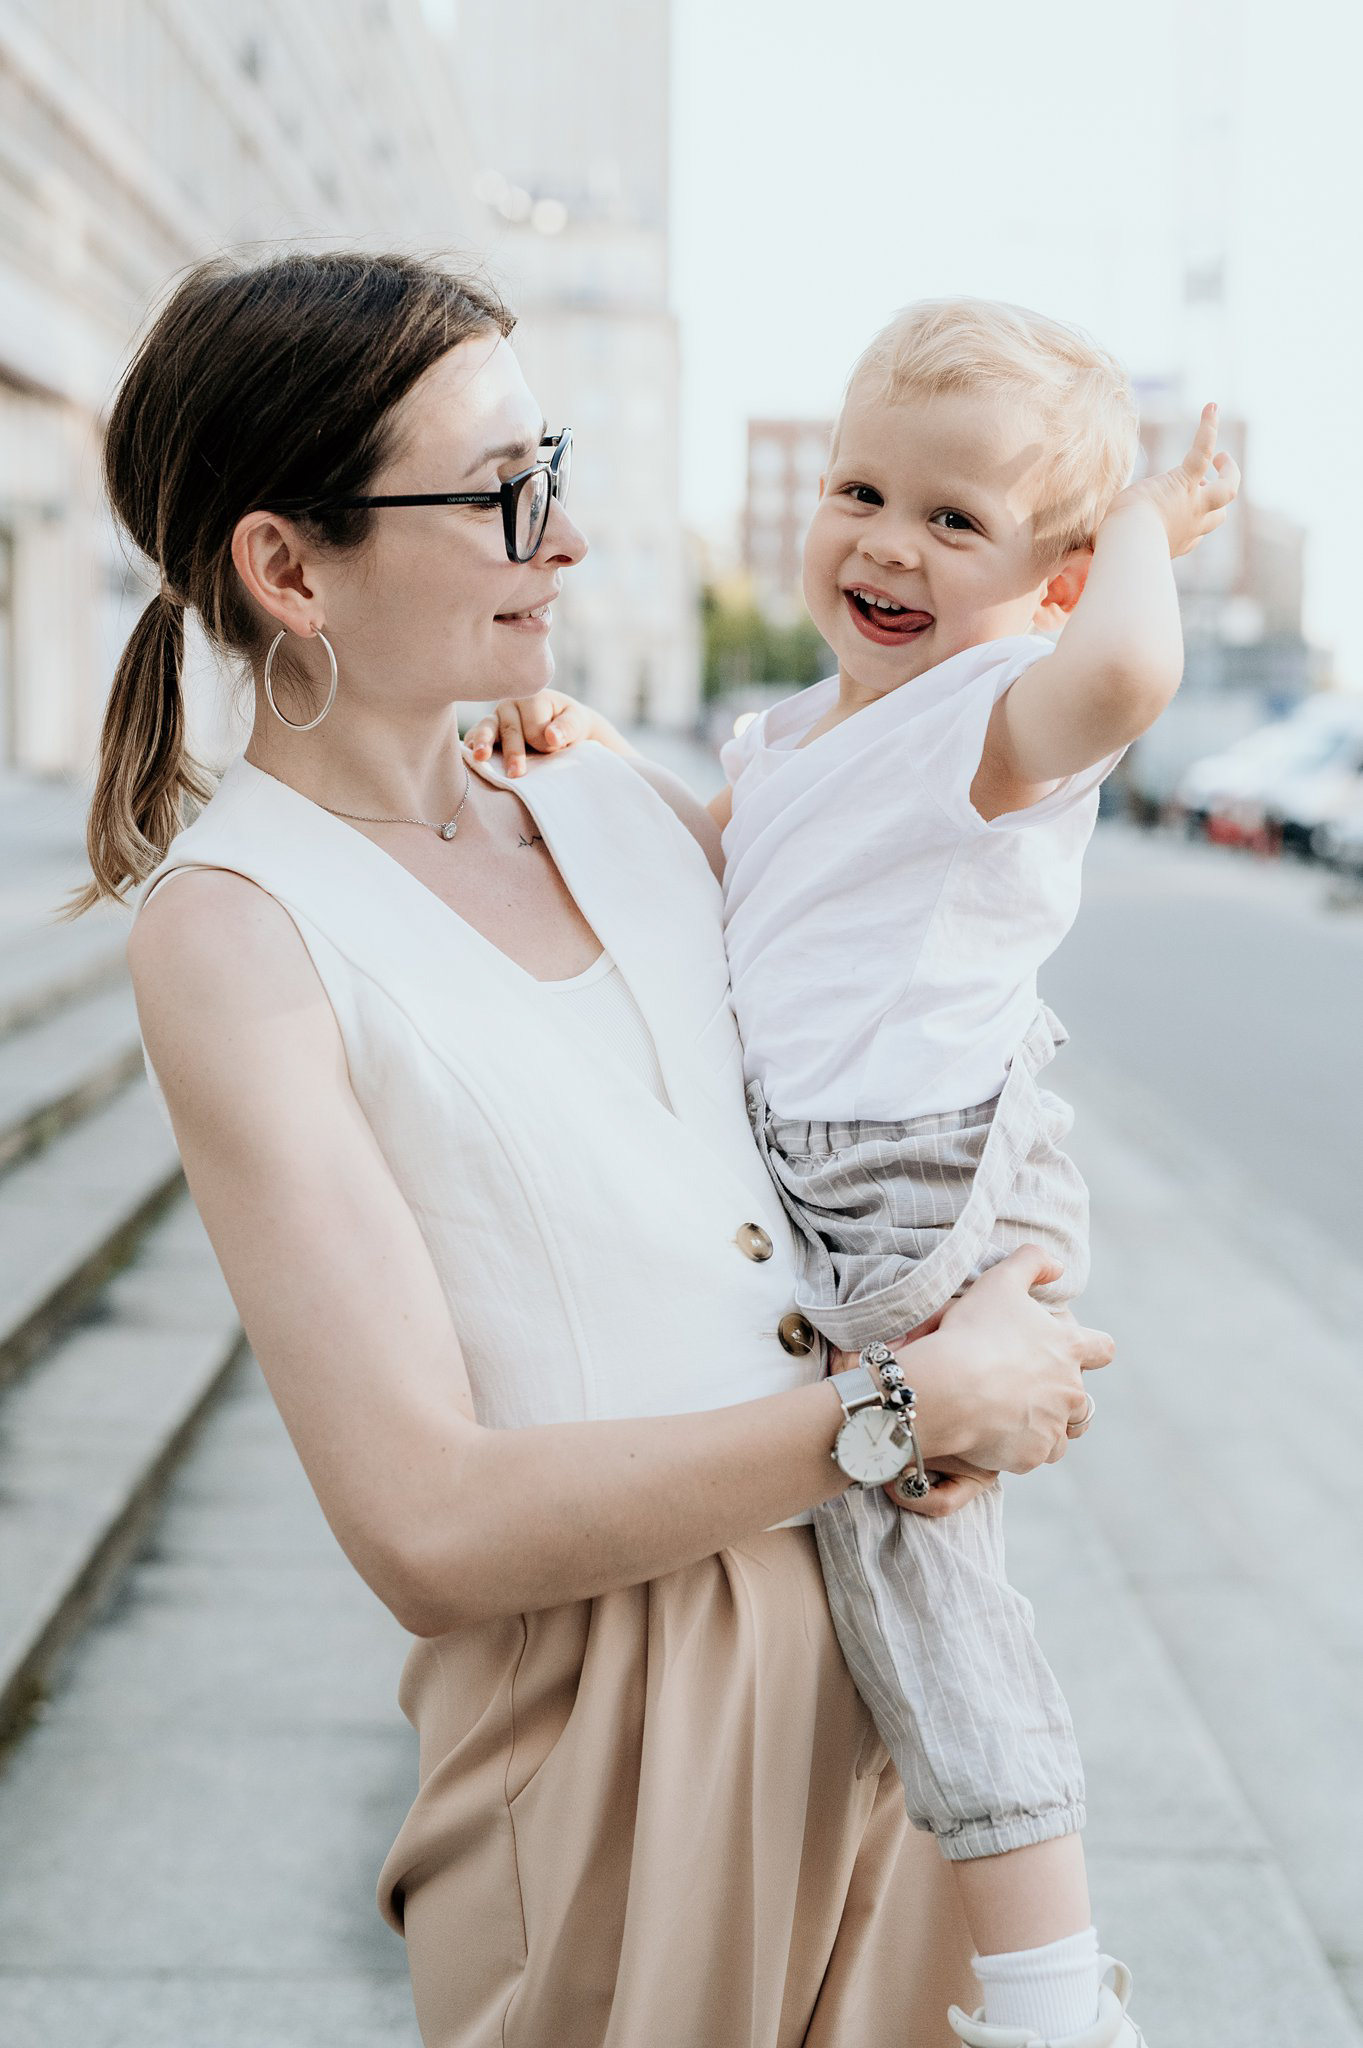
(63, 1067)
(88, 1440)
(71, 1215)
(43, 965)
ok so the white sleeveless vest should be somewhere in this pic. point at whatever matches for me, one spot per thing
(595, 1248)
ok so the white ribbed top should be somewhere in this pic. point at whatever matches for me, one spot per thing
(602, 999)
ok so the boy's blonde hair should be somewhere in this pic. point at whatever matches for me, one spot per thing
(1078, 391)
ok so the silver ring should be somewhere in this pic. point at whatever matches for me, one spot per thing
(1078, 1428)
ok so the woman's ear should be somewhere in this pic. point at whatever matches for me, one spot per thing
(268, 555)
(1065, 589)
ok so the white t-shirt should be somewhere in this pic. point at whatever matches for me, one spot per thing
(883, 938)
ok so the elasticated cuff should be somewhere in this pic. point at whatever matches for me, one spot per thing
(972, 1839)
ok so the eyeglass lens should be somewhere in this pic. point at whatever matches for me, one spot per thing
(532, 513)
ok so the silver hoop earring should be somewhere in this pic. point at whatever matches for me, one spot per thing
(275, 645)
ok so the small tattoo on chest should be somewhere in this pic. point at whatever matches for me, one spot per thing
(535, 839)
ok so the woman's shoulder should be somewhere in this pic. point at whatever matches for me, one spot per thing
(216, 940)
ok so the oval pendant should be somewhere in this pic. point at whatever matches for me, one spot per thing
(448, 831)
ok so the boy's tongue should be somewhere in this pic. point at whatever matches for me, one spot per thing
(900, 622)
(902, 625)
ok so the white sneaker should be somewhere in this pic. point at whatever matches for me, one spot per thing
(1111, 2029)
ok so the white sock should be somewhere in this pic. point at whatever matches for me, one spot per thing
(1052, 1990)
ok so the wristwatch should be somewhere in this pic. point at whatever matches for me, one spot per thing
(878, 1441)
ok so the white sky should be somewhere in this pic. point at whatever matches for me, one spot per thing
(833, 159)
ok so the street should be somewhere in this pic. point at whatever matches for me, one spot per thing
(1224, 990)
(1214, 1003)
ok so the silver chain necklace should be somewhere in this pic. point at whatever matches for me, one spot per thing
(446, 831)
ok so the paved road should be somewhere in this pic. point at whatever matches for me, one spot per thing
(1216, 1006)
(1226, 992)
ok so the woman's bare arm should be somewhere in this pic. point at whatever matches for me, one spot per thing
(447, 1521)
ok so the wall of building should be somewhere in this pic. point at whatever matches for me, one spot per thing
(786, 458)
(136, 136)
(574, 147)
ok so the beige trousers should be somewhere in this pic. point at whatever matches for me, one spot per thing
(663, 1819)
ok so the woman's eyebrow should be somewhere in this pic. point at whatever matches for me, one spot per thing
(508, 451)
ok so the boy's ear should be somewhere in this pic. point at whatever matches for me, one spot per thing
(1065, 589)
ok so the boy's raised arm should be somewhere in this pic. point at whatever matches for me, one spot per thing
(1120, 657)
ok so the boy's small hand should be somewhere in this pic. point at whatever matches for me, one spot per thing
(545, 723)
(1189, 502)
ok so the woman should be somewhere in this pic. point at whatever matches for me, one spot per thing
(459, 1096)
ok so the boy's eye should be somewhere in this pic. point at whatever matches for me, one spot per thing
(863, 494)
(955, 522)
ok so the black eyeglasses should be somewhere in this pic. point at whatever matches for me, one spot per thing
(525, 499)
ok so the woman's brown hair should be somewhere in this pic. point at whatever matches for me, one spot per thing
(268, 385)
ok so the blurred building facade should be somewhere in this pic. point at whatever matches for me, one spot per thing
(1246, 656)
(1241, 596)
(569, 113)
(137, 137)
(786, 458)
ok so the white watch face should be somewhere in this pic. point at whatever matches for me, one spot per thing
(871, 1447)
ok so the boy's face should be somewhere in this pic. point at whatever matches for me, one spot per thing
(927, 506)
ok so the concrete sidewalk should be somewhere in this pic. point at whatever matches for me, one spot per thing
(193, 1828)
(1195, 1563)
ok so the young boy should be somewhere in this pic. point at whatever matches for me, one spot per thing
(902, 851)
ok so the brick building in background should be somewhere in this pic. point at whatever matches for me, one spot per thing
(786, 458)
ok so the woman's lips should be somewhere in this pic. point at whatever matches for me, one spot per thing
(886, 629)
(538, 620)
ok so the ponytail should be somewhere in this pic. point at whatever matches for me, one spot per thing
(145, 772)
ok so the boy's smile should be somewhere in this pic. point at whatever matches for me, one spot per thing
(881, 619)
(923, 540)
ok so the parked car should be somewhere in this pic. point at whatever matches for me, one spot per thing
(1300, 804)
(1229, 796)
(1339, 841)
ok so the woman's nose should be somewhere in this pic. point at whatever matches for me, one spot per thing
(563, 540)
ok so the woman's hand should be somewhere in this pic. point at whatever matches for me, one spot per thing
(999, 1376)
(545, 724)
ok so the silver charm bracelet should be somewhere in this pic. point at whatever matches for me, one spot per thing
(882, 1365)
